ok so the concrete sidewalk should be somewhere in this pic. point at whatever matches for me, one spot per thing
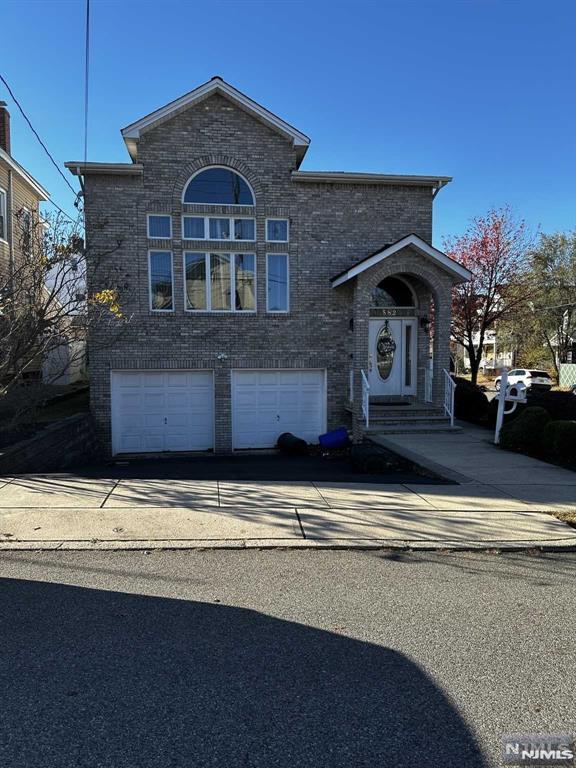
(71, 512)
(470, 458)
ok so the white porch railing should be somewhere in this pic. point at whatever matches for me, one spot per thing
(449, 390)
(365, 398)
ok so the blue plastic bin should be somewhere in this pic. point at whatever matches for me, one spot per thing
(337, 438)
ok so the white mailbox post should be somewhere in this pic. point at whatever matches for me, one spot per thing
(513, 393)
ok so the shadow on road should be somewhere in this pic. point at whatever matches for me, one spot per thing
(97, 678)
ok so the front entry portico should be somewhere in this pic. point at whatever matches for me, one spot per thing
(400, 348)
(392, 356)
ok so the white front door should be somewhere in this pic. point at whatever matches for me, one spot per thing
(156, 411)
(266, 403)
(392, 356)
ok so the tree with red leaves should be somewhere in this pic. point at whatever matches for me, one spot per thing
(495, 248)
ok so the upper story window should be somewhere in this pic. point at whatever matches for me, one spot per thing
(220, 282)
(3, 232)
(161, 281)
(277, 230)
(159, 226)
(218, 186)
(212, 228)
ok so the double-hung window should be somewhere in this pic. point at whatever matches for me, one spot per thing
(218, 228)
(3, 222)
(277, 230)
(159, 226)
(161, 281)
(277, 282)
(220, 282)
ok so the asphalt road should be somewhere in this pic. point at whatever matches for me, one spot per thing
(240, 659)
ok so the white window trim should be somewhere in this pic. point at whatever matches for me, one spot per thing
(152, 309)
(232, 309)
(277, 218)
(151, 237)
(279, 311)
(207, 238)
(226, 168)
(4, 213)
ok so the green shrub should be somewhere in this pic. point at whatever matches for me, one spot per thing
(524, 434)
(559, 441)
(470, 403)
(560, 405)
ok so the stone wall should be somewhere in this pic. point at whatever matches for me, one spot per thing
(59, 446)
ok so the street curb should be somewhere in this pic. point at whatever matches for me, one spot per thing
(546, 545)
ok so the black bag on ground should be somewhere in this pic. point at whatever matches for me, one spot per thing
(290, 445)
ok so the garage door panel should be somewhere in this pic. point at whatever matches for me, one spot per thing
(268, 378)
(157, 411)
(153, 380)
(272, 402)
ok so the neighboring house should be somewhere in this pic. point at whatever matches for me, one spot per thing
(264, 298)
(20, 198)
(497, 352)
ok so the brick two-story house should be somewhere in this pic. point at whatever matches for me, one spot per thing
(263, 298)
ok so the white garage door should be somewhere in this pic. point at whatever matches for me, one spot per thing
(267, 403)
(155, 411)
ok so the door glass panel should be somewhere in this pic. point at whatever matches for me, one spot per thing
(385, 351)
(408, 357)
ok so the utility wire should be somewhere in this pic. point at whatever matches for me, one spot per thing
(61, 211)
(35, 132)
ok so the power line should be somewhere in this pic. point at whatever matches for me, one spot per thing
(35, 132)
(60, 209)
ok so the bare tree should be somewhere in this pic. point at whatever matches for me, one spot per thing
(554, 268)
(44, 303)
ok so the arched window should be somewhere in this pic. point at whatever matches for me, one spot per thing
(392, 292)
(218, 186)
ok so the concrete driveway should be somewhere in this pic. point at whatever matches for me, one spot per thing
(68, 509)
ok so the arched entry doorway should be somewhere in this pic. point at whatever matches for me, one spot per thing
(392, 339)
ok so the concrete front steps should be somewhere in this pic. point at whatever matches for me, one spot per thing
(407, 419)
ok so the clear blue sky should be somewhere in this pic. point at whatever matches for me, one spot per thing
(483, 90)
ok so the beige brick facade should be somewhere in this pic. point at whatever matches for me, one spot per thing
(332, 226)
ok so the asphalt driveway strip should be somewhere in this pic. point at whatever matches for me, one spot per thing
(255, 467)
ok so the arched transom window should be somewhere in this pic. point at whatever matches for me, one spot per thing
(218, 186)
(392, 292)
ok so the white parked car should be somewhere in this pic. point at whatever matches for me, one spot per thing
(531, 379)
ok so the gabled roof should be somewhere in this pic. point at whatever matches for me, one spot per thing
(131, 133)
(23, 173)
(459, 273)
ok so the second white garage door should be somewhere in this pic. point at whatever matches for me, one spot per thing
(155, 411)
(267, 403)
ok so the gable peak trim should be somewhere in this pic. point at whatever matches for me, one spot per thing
(458, 272)
(131, 133)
